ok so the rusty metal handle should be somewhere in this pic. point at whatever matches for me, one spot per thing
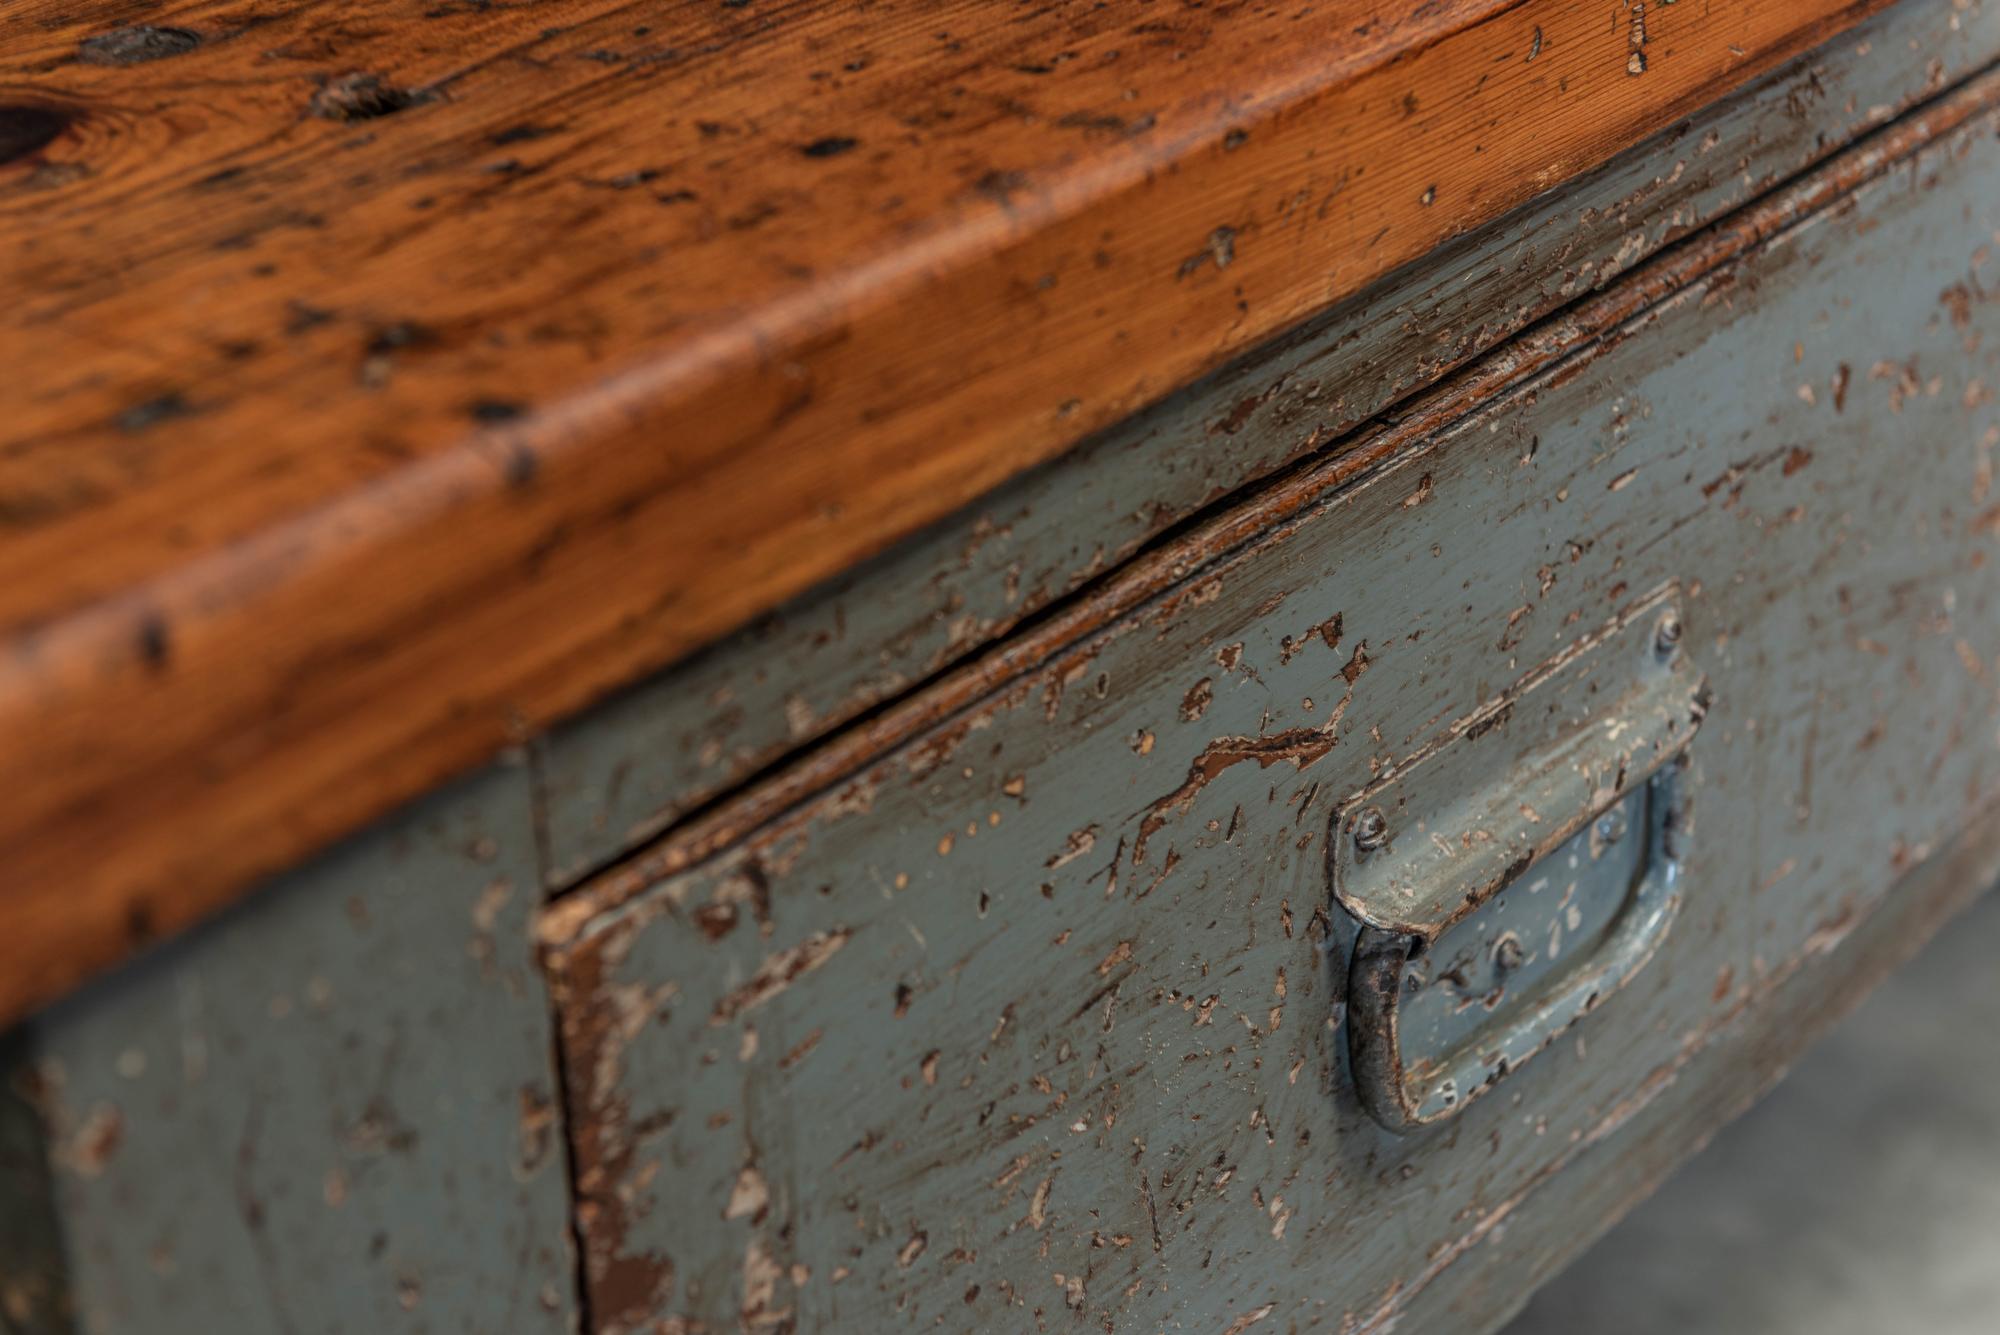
(1406, 1097)
(1440, 864)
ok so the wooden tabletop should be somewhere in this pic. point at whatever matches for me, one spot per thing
(383, 381)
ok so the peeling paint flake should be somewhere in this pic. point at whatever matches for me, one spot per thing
(779, 971)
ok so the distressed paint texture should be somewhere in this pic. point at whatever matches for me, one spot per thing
(332, 1109)
(34, 1288)
(629, 768)
(1036, 1017)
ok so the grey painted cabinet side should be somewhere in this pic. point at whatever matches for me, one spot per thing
(331, 1110)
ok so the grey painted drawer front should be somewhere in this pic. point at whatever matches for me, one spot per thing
(1038, 1020)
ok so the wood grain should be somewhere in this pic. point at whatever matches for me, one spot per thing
(382, 385)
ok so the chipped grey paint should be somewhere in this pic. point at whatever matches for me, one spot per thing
(629, 768)
(1018, 1026)
(330, 1110)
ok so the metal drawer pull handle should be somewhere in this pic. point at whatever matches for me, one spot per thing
(1518, 870)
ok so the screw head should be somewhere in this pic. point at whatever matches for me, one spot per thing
(1371, 829)
(1667, 636)
(1611, 826)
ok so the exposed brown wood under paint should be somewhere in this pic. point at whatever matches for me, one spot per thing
(382, 387)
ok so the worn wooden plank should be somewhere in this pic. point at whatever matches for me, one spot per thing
(332, 1109)
(625, 770)
(382, 386)
(1031, 1018)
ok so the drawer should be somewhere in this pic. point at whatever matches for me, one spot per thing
(1043, 1011)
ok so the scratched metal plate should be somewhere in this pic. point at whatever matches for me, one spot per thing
(1038, 1019)
(1554, 917)
(1490, 793)
(627, 769)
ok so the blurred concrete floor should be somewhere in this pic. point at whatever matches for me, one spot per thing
(1861, 1197)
